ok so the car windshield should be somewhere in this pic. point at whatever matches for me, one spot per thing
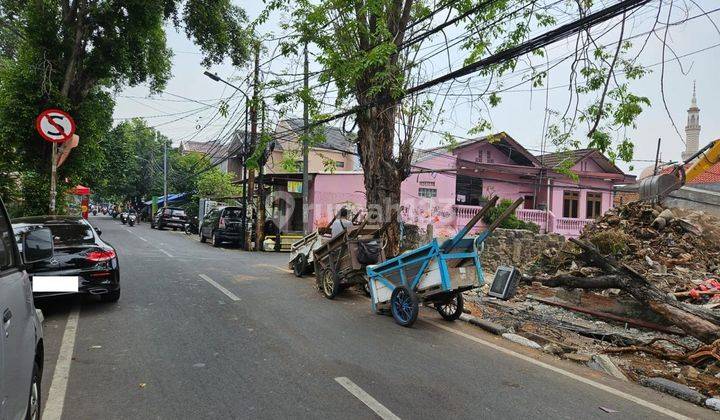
(69, 234)
(175, 212)
(234, 213)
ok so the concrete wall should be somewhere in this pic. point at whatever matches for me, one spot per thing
(516, 247)
(695, 199)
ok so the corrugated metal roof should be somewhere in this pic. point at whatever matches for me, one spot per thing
(552, 160)
(335, 138)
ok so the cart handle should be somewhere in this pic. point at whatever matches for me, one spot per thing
(481, 240)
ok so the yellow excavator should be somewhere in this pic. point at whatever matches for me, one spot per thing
(657, 187)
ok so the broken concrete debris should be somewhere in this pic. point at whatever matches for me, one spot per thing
(675, 389)
(632, 290)
(603, 363)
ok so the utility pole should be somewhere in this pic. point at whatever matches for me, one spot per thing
(253, 133)
(657, 157)
(157, 134)
(53, 178)
(246, 244)
(260, 228)
(305, 152)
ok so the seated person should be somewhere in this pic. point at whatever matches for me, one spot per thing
(341, 223)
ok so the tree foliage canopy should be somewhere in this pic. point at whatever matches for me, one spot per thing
(72, 54)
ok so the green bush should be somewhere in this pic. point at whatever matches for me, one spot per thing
(511, 222)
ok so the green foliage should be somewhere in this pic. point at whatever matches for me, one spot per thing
(511, 222)
(611, 241)
(217, 184)
(71, 55)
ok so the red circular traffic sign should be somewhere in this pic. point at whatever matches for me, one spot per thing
(55, 126)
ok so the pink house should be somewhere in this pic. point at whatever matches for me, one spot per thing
(447, 187)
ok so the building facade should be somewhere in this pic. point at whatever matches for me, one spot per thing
(563, 192)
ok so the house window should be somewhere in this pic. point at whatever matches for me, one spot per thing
(339, 164)
(594, 204)
(427, 192)
(488, 159)
(468, 190)
(529, 202)
(570, 204)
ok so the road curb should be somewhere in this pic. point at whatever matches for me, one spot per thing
(488, 326)
(675, 389)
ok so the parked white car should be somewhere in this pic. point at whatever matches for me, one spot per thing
(21, 335)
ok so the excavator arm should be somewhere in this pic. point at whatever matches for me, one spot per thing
(659, 186)
(709, 156)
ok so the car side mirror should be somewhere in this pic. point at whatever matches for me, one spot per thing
(99, 232)
(37, 245)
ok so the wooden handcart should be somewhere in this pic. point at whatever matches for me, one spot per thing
(433, 273)
(336, 261)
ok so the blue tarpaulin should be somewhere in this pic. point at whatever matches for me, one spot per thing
(171, 198)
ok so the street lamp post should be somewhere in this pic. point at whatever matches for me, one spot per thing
(244, 153)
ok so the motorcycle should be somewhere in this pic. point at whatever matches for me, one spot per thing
(123, 217)
(131, 219)
(191, 227)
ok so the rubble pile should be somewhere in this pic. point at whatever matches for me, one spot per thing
(578, 304)
(676, 250)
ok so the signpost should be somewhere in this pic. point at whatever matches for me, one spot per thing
(57, 127)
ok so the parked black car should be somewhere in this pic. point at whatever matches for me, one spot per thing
(169, 217)
(222, 224)
(82, 262)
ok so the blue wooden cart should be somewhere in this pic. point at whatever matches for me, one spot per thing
(435, 273)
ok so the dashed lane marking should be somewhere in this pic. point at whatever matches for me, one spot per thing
(227, 293)
(166, 253)
(367, 399)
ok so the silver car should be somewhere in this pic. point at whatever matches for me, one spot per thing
(21, 336)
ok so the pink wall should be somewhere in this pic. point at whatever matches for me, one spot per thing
(473, 154)
(330, 192)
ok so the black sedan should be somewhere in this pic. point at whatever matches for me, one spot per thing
(82, 262)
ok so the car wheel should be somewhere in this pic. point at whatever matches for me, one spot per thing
(215, 240)
(111, 296)
(34, 400)
(202, 238)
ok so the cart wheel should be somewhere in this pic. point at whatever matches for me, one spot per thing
(366, 288)
(329, 285)
(452, 309)
(404, 306)
(300, 265)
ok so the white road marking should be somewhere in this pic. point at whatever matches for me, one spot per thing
(227, 293)
(141, 238)
(166, 253)
(367, 399)
(606, 388)
(58, 387)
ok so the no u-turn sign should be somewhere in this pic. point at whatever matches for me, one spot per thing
(55, 126)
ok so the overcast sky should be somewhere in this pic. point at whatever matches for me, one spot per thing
(520, 113)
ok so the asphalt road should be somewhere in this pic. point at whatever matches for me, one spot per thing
(270, 346)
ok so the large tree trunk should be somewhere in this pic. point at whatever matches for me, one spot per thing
(376, 129)
(383, 171)
(698, 322)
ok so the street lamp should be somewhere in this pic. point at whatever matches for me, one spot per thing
(217, 78)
